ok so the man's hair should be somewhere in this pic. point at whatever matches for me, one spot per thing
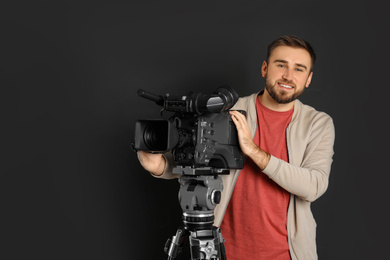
(292, 41)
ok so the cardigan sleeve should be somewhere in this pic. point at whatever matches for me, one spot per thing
(309, 178)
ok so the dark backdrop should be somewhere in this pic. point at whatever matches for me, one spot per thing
(71, 187)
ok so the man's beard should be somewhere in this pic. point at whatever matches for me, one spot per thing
(282, 97)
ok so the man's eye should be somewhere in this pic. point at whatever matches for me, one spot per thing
(281, 65)
(300, 70)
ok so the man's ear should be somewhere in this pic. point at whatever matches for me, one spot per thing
(308, 81)
(264, 69)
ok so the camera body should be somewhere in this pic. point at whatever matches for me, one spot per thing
(200, 134)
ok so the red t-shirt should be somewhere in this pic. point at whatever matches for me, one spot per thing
(255, 222)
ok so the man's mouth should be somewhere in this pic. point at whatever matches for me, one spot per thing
(286, 85)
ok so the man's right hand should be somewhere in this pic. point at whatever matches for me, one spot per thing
(152, 162)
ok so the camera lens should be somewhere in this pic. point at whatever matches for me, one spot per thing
(155, 136)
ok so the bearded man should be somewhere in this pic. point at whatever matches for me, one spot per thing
(264, 211)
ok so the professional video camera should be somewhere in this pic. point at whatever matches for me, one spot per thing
(203, 141)
(201, 134)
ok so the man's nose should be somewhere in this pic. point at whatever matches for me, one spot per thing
(287, 74)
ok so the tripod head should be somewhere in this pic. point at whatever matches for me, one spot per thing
(198, 197)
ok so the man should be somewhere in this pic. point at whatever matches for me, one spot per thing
(265, 211)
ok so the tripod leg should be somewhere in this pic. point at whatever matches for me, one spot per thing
(173, 246)
(221, 244)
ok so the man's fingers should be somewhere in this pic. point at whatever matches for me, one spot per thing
(238, 118)
(238, 115)
(235, 120)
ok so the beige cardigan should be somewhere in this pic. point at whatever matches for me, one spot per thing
(310, 139)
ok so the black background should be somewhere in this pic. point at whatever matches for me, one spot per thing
(70, 185)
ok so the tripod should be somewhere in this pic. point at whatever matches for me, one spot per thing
(198, 196)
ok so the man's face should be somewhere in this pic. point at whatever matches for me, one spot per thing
(287, 73)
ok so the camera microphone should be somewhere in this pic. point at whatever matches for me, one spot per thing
(156, 98)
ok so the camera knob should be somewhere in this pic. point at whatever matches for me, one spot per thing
(216, 197)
